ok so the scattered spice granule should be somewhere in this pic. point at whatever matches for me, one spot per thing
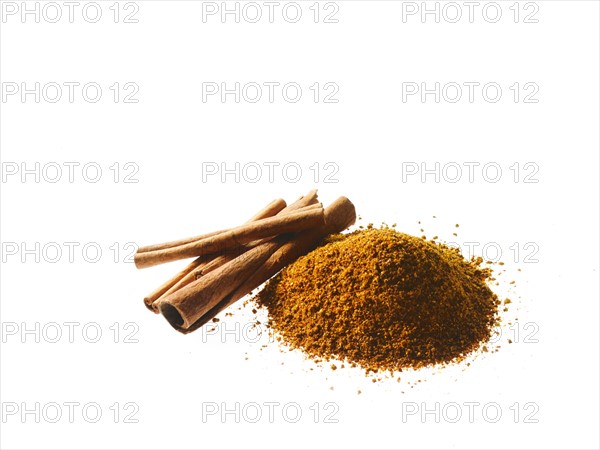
(383, 300)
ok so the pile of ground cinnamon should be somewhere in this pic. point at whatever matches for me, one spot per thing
(384, 300)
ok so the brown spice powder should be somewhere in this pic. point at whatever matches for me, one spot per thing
(383, 300)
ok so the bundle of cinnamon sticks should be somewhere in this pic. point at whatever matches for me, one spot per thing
(230, 263)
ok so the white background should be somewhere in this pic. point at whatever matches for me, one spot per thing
(370, 135)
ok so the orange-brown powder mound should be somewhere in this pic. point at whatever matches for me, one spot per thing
(384, 300)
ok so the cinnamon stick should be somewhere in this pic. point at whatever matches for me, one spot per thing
(183, 307)
(164, 288)
(202, 269)
(270, 210)
(192, 306)
(222, 259)
(306, 200)
(235, 237)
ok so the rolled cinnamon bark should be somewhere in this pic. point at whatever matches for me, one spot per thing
(192, 306)
(183, 307)
(193, 273)
(225, 258)
(270, 210)
(205, 264)
(234, 238)
(164, 288)
(309, 199)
